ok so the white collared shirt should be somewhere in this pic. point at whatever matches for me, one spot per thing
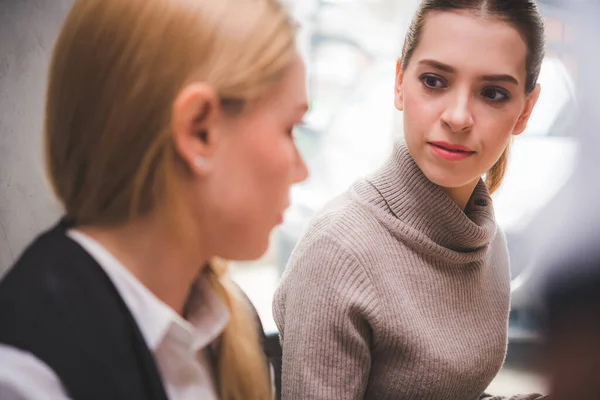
(180, 346)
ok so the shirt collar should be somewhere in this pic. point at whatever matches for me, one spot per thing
(208, 315)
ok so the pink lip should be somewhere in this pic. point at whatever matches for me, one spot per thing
(451, 152)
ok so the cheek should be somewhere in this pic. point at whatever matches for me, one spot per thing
(250, 194)
(495, 128)
(492, 134)
(284, 165)
(420, 110)
(493, 147)
(265, 173)
(273, 165)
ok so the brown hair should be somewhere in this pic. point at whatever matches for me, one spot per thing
(524, 15)
(116, 70)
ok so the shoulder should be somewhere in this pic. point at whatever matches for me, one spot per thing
(54, 286)
(348, 225)
(49, 266)
(499, 245)
(500, 238)
(332, 257)
(25, 377)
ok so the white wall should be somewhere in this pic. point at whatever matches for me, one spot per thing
(28, 29)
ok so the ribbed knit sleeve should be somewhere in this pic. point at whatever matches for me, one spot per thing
(324, 309)
(532, 396)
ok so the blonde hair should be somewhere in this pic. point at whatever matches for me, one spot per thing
(116, 70)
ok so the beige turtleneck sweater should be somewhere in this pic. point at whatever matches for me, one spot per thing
(395, 293)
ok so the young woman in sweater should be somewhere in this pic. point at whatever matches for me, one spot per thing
(399, 289)
(168, 141)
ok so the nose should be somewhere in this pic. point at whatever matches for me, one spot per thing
(457, 116)
(300, 172)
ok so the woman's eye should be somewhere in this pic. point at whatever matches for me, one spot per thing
(433, 82)
(495, 95)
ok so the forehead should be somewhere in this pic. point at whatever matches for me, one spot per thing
(471, 43)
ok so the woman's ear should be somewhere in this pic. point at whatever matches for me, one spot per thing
(527, 110)
(398, 90)
(195, 113)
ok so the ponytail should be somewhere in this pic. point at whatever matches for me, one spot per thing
(495, 175)
(242, 371)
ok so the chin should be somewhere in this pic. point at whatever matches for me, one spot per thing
(445, 179)
(257, 253)
(248, 251)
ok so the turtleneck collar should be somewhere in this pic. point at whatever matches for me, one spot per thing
(423, 214)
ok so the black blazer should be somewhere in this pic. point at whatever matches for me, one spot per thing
(58, 304)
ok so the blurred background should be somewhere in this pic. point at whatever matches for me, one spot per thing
(350, 48)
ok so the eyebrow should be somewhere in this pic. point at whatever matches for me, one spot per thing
(489, 78)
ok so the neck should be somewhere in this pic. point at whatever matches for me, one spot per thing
(461, 195)
(154, 256)
(418, 205)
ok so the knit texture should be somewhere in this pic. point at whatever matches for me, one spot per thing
(394, 292)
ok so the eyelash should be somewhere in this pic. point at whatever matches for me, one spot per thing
(504, 94)
(424, 79)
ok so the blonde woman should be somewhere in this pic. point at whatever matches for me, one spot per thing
(168, 141)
